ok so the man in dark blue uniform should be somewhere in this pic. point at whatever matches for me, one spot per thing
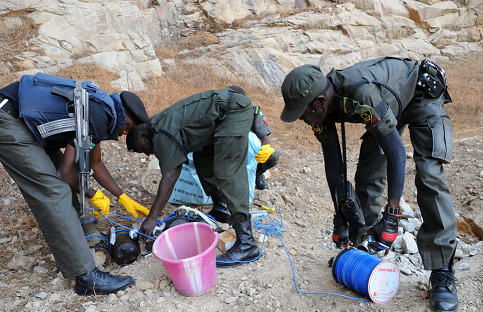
(46, 176)
(386, 94)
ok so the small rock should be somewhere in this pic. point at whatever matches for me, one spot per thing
(464, 266)
(473, 252)
(458, 255)
(405, 271)
(112, 298)
(42, 295)
(409, 244)
(91, 308)
(33, 249)
(4, 240)
(301, 224)
(40, 270)
(144, 285)
(416, 223)
(20, 262)
(231, 300)
(163, 283)
(406, 225)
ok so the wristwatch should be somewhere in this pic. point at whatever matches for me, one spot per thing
(392, 210)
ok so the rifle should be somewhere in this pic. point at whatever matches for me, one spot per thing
(347, 202)
(78, 99)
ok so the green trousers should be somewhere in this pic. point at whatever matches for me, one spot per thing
(48, 197)
(223, 165)
(431, 138)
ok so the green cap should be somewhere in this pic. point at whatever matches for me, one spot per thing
(301, 86)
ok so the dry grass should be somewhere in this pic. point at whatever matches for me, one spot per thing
(465, 79)
(13, 40)
(91, 72)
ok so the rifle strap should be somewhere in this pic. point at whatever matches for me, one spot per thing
(344, 159)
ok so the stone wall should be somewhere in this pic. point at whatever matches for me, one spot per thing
(257, 40)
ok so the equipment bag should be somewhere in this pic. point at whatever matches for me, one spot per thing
(37, 106)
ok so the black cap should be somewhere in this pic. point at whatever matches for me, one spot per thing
(237, 89)
(134, 107)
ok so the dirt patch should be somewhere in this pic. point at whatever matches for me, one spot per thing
(299, 189)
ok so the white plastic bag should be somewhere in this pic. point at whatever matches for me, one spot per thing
(188, 189)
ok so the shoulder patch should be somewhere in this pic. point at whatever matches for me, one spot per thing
(368, 114)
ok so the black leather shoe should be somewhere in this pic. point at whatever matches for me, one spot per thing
(443, 297)
(219, 211)
(244, 249)
(260, 183)
(96, 282)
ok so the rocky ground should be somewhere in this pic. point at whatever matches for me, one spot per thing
(30, 281)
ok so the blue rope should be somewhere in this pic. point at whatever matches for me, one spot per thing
(264, 224)
(354, 268)
(158, 222)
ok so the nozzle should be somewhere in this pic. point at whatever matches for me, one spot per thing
(270, 210)
(370, 245)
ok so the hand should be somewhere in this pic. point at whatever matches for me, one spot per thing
(385, 231)
(102, 203)
(146, 228)
(264, 154)
(340, 234)
(133, 207)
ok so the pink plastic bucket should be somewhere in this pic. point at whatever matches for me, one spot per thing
(188, 254)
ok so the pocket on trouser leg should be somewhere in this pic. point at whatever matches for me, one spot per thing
(442, 139)
(228, 156)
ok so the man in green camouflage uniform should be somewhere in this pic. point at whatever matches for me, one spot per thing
(214, 125)
(386, 94)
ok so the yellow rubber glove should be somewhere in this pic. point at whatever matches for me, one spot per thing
(265, 153)
(133, 207)
(102, 203)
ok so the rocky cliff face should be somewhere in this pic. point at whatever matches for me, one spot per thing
(256, 40)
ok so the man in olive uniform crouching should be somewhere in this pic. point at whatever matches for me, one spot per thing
(386, 94)
(267, 158)
(214, 125)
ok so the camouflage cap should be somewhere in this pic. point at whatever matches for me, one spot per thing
(300, 87)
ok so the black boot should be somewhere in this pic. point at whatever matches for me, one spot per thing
(244, 249)
(219, 211)
(260, 183)
(96, 282)
(443, 295)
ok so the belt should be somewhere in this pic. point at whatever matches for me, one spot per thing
(7, 106)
